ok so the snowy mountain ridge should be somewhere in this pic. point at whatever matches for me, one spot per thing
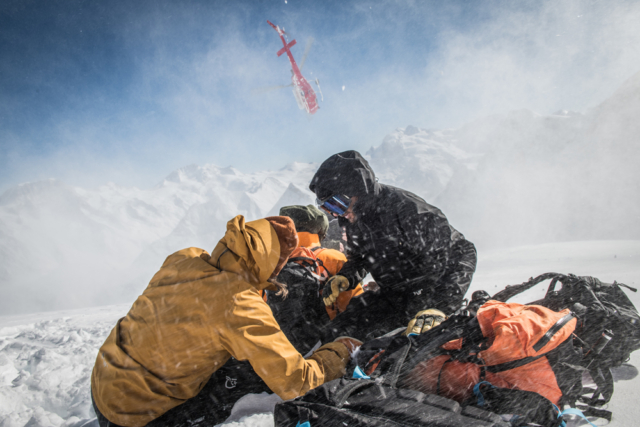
(512, 179)
(70, 246)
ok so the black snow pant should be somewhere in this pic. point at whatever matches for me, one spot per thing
(214, 402)
(373, 314)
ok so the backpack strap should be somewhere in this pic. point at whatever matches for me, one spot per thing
(316, 250)
(428, 343)
(315, 263)
(604, 381)
(512, 290)
(632, 289)
(388, 371)
(527, 406)
(544, 340)
(552, 331)
(590, 411)
(507, 366)
(303, 259)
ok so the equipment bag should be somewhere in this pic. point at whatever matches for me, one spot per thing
(458, 353)
(458, 340)
(511, 351)
(608, 328)
(367, 402)
(301, 314)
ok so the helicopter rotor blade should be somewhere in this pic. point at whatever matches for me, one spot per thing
(261, 90)
(310, 41)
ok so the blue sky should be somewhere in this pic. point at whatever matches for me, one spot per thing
(120, 91)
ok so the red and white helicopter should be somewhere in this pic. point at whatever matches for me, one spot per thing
(305, 96)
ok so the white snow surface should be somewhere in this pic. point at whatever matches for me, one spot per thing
(46, 358)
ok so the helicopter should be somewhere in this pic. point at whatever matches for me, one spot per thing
(302, 90)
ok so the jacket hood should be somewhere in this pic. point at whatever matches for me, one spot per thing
(255, 245)
(345, 173)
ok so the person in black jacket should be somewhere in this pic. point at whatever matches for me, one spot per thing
(417, 259)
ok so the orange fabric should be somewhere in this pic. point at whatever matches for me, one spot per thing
(513, 329)
(343, 301)
(308, 240)
(333, 261)
(457, 379)
(453, 345)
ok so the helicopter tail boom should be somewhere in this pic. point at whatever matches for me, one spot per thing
(286, 47)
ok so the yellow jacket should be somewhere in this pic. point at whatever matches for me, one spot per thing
(196, 313)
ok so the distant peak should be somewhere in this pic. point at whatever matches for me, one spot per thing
(566, 113)
(32, 188)
(296, 166)
(229, 171)
(411, 130)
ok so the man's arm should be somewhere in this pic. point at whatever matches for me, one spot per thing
(427, 234)
(354, 271)
(253, 334)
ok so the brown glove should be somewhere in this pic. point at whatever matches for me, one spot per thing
(425, 320)
(332, 288)
(352, 344)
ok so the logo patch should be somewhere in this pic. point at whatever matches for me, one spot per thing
(231, 382)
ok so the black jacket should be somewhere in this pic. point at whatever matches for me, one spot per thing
(398, 237)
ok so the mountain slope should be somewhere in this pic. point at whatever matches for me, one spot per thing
(68, 247)
(503, 180)
(565, 177)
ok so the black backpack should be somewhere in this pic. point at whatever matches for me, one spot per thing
(301, 315)
(608, 331)
(608, 328)
(378, 402)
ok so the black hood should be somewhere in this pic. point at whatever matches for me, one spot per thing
(345, 173)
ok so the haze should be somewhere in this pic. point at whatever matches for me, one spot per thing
(542, 96)
(97, 92)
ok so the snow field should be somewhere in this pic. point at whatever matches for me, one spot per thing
(45, 365)
(46, 358)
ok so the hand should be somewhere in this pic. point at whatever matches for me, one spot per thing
(371, 287)
(352, 344)
(425, 320)
(332, 288)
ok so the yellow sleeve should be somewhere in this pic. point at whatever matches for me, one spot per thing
(252, 334)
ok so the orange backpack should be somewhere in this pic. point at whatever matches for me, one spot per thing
(517, 339)
(308, 258)
(315, 272)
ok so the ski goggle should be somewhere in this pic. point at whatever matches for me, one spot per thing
(337, 204)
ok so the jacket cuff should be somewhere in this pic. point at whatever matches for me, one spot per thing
(333, 357)
(338, 348)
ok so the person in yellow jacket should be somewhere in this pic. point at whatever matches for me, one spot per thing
(198, 312)
(312, 226)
